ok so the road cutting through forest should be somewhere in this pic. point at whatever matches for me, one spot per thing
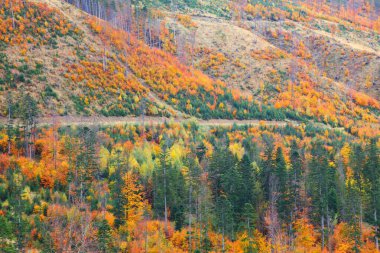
(104, 121)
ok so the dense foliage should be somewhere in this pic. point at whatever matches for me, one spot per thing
(186, 188)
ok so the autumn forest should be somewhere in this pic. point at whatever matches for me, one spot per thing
(245, 126)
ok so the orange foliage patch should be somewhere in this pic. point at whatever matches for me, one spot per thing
(34, 24)
(161, 70)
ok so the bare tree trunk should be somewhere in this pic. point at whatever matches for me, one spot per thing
(13, 16)
(223, 243)
(329, 230)
(55, 139)
(10, 124)
(31, 140)
(361, 215)
(175, 36)
(376, 230)
(137, 22)
(150, 33)
(193, 38)
(165, 202)
(144, 31)
(190, 190)
(198, 213)
(25, 141)
(104, 58)
(146, 236)
(290, 230)
(323, 231)
(273, 222)
(126, 62)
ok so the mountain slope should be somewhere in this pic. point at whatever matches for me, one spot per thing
(57, 55)
(298, 64)
(75, 64)
(92, 68)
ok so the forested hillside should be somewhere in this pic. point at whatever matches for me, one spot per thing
(183, 188)
(189, 126)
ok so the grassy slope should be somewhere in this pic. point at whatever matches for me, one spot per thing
(338, 63)
(60, 89)
(54, 86)
(92, 69)
(358, 52)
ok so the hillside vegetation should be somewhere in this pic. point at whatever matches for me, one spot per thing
(193, 126)
(92, 68)
(166, 64)
(185, 188)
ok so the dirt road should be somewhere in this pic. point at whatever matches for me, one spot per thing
(105, 121)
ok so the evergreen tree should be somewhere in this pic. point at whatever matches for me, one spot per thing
(17, 207)
(104, 237)
(170, 192)
(251, 193)
(118, 200)
(372, 177)
(267, 165)
(224, 220)
(283, 203)
(296, 177)
(86, 167)
(322, 189)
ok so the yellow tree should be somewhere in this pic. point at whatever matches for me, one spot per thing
(346, 153)
(256, 242)
(305, 238)
(237, 149)
(134, 202)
